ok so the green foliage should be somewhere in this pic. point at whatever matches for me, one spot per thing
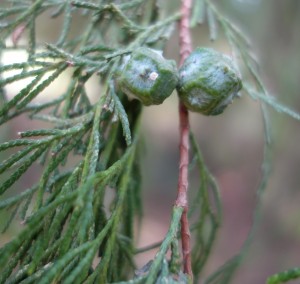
(284, 276)
(206, 215)
(70, 234)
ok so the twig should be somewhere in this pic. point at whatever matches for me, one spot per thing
(147, 248)
(184, 31)
(182, 200)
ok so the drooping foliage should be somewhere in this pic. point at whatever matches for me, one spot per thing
(70, 234)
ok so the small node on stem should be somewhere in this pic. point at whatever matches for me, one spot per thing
(70, 63)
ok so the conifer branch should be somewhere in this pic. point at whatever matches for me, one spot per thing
(78, 222)
(182, 199)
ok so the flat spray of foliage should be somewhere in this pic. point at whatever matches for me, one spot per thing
(69, 234)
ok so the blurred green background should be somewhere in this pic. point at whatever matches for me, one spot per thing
(231, 144)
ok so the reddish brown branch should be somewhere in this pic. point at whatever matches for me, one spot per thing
(182, 200)
(184, 30)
